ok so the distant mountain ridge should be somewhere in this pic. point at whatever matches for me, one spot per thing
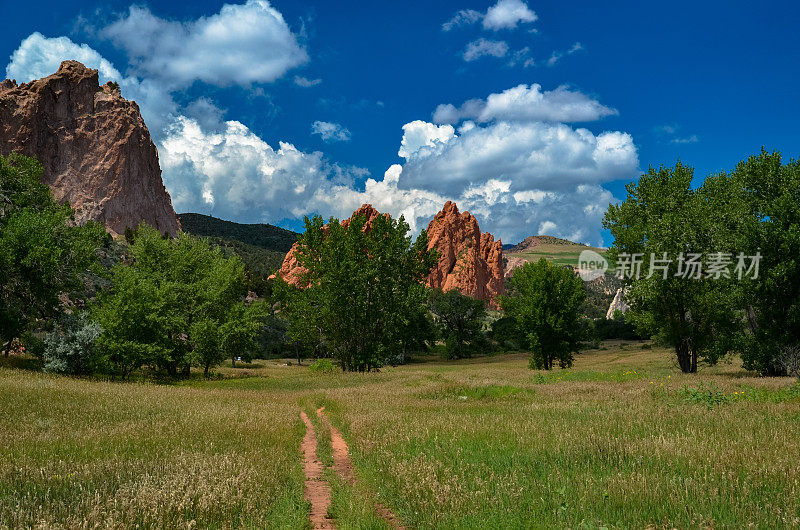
(261, 246)
(258, 234)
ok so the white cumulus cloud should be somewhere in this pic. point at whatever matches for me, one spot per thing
(534, 155)
(527, 103)
(505, 14)
(240, 45)
(419, 134)
(38, 56)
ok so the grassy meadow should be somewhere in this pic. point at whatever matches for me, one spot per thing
(622, 439)
(560, 254)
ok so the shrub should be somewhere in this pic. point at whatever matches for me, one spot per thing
(324, 366)
(71, 348)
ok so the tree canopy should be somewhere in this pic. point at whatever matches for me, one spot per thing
(364, 287)
(546, 305)
(42, 252)
(179, 302)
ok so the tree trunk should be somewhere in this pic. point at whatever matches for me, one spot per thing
(205, 370)
(297, 353)
(684, 356)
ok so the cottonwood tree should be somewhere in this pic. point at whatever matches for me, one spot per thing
(42, 252)
(180, 302)
(362, 287)
(459, 318)
(673, 228)
(769, 191)
(546, 305)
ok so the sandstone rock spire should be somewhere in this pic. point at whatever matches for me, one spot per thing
(94, 145)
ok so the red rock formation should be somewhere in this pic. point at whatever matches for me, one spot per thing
(291, 271)
(94, 146)
(468, 260)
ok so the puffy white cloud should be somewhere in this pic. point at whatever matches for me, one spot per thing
(240, 45)
(507, 14)
(330, 132)
(235, 174)
(306, 82)
(484, 47)
(532, 155)
(39, 56)
(421, 134)
(527, 103)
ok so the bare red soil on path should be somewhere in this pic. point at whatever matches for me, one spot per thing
(318, 493)
(344, 468)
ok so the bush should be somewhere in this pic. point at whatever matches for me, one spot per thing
(324, 366)
(605, 329)
(71, 348)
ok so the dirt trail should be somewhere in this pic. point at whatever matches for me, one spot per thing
(344, 467)
(318, 492)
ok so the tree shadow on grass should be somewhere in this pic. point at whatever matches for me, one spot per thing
(21, 362)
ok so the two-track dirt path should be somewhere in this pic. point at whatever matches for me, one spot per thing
(344, 468)
(317, 490)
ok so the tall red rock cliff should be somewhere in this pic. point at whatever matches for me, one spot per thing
(94, 145)
(291, 271)
(468, 260)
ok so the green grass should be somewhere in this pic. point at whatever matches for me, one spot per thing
(621, 439)
(79, 453)
(557, 253)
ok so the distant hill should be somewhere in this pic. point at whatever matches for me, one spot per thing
(555, 249)
(261, 246)
(599, 292)
(535, 241)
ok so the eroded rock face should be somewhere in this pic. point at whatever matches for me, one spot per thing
(617, 304)
(469, 261)
(94, 145)
(291, 271)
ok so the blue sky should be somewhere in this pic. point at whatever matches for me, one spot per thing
(272, 111)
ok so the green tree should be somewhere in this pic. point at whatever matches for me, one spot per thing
(460, 321)
(360, 287)
(42, 253)
(179, 302)
(770, 192)
(506, 333)
(546, 305)
(664, 218)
